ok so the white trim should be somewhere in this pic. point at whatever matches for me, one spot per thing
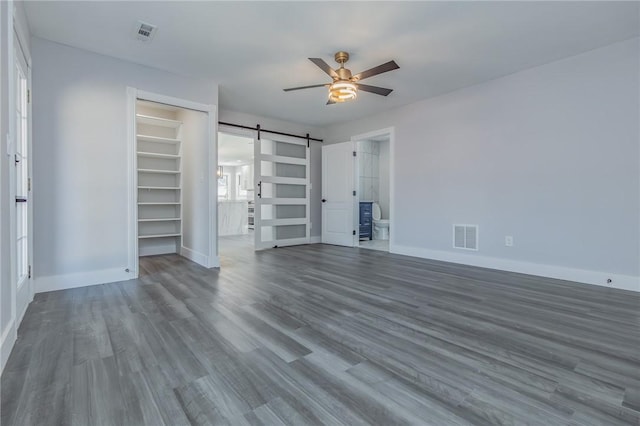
(285, 180)
(214, 262)
(197, 257)
(132, 182)
(280, 222)
(81, 279)
(22, 35)
(619, 281)
(283, 159)
(9, 337)
(24, 297)
(238, 131)
(11, 333)
(286, 242)
(292, 201)
(169, 100)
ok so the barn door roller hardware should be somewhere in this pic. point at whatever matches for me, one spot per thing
(260, 130)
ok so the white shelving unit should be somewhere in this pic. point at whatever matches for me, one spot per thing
(159, 159)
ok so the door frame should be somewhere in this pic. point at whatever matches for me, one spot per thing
(133, 95)
(391, 131)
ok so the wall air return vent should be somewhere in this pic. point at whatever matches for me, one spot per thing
(465, 237)
(145, 31)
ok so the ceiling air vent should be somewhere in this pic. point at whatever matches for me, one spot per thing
(465, 237)
(145, 31)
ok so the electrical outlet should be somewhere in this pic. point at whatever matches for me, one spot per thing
(508, 241)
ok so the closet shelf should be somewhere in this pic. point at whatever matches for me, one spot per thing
(159, 187)
(157, 155)
(165, 172)
(158, 236)
(168, 219)
(160, 203)
(157, 139)
(157, 121)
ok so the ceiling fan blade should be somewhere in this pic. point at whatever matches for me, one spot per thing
(389, 66)
(374, 89)
(330, 102)
(324, 67)
(304, 87)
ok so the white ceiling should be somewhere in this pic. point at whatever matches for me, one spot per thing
(255, 49)
(234, 150)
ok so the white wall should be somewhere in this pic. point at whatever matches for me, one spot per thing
(80, 152)
(195, 183)
(549, 155)
(296, 129)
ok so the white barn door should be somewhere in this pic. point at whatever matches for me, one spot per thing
(282, 185)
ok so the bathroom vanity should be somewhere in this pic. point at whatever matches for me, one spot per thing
(366, 221)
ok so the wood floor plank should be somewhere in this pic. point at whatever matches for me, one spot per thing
(321, 334)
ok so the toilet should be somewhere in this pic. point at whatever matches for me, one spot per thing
(380, 226)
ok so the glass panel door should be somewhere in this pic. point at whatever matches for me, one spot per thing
(22, 172)
(282, 183)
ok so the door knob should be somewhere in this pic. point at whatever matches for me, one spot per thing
(324, 200)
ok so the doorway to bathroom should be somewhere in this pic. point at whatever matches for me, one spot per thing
(236, 197)
(373, 180)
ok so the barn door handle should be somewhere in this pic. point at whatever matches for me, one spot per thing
(260, 189)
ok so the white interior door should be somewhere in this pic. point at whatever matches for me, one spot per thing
(22, 161)
(338, 194)
(282, 188)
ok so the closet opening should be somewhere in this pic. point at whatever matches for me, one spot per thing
(173, 155)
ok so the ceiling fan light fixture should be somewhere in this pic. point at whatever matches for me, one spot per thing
(342, 91)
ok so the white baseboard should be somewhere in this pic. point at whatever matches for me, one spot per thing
(7, 340)
(315, 239)
(199, 258)
(81, 279)
(214, 262)
(619, 281)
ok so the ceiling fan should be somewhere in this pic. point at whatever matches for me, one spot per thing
(345, 86)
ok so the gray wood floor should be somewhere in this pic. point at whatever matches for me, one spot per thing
(325, 335)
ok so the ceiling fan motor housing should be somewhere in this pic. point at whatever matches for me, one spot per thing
(343, 73)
